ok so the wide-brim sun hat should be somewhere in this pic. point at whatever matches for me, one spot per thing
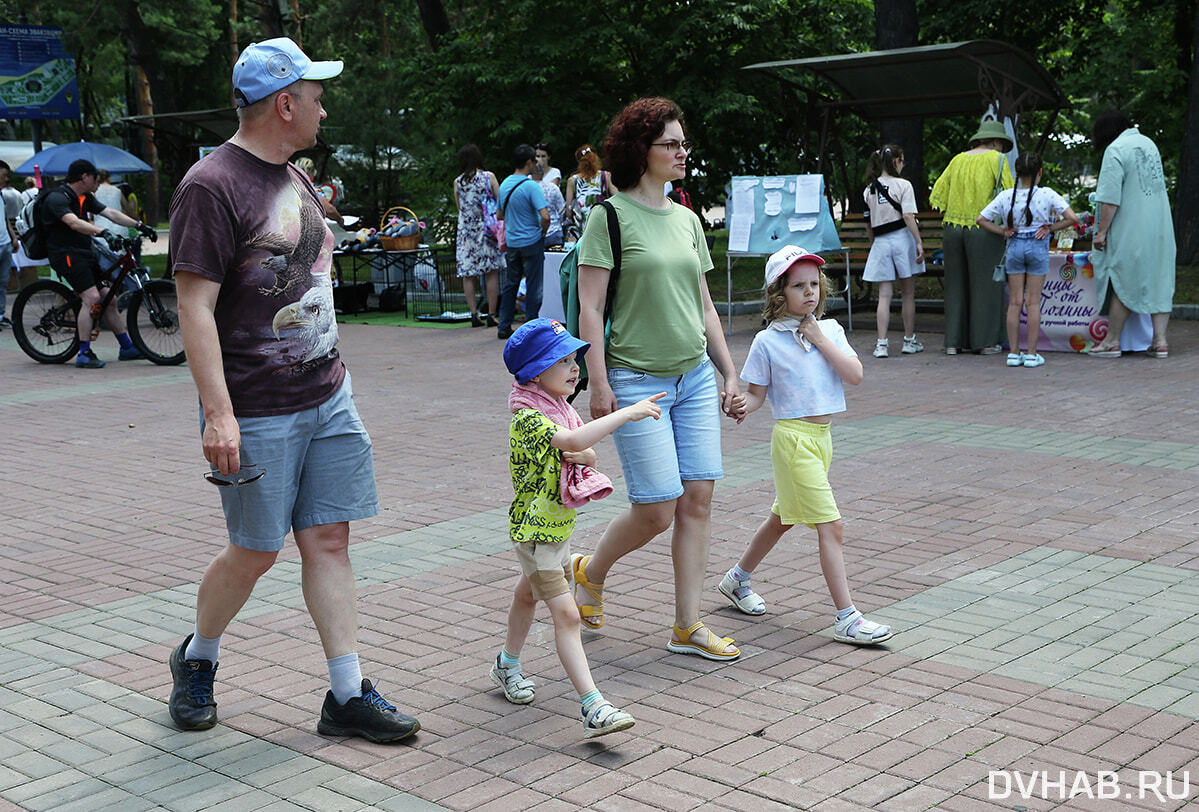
(537, 345)
(787, 256)
(991, 130)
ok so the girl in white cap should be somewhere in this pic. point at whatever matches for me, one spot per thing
(798, 364)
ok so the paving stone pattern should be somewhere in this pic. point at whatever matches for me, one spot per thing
(1030, 534)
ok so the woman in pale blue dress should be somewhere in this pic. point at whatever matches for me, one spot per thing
(1134, 235)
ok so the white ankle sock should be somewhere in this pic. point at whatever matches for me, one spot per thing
(345, 677)
(739, 574)
(846, 612)
(203, 648)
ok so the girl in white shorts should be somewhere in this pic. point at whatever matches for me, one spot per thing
(798, 363)
(896, 251)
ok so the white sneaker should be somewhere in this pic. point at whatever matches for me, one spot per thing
(518, 689)
(1035, 360)
(1015, 359)
(741, 595)
(880, 348)
(911, 346)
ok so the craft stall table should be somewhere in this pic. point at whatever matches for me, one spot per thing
(1070, 319)
(414, 271)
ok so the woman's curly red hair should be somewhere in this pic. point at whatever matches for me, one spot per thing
(626, 147)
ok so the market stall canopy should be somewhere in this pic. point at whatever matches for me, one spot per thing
(56, 160)
(15, 153)
(956, 78)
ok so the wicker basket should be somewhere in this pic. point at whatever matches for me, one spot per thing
(399, 243)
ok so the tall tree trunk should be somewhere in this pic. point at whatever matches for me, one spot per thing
(145, 107)
(435, 21)
(1186, 202)
(896, 26)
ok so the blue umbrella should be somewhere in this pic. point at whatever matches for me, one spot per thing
(55, 160)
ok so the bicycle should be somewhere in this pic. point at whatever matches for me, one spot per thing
(44, 314)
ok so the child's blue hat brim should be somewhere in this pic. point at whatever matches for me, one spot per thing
(537, 345)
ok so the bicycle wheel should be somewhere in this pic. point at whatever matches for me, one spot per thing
(44, 321)
(154, 323)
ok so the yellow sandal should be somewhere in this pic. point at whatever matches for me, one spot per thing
(713, 650)
(590, 615)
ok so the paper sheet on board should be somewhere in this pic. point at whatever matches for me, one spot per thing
(773, 182)
(739, 228)
(807, 194)
(805, 222)
(743, 197)
(773, 204)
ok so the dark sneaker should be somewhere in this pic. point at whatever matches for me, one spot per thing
(130, 354)
(192, 705)
(88, 360)
(4, 322)
(369, 716)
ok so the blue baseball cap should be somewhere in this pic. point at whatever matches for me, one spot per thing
(537, 345)
(273, 64)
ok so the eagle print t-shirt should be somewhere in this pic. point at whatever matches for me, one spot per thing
(259, 230)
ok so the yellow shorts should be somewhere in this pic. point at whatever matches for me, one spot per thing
(547, 566)
(801, 453)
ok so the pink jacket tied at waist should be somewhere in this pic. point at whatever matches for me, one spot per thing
(579, 483)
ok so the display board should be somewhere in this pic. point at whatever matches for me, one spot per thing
(765, 213)
(37, 75)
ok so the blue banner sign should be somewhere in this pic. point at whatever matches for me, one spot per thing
(37, 75)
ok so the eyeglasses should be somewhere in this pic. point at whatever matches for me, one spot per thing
(673, 145)
(247, 473)
(542, 147)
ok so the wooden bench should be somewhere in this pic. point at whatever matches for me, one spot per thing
(855, 248)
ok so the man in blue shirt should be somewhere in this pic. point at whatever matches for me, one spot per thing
(526, 217)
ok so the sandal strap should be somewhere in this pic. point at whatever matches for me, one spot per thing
(713, 643)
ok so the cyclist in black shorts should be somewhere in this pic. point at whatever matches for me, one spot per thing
(69, 245)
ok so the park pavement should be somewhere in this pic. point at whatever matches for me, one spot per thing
(1029, 533)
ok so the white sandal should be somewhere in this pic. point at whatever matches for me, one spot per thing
(605, 718)
(518, 689)
(741, 595)
(856, 629)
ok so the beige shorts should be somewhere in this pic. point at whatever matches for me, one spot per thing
(547, 566)
(801, 453)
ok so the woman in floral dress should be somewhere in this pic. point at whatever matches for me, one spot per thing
(477, 253)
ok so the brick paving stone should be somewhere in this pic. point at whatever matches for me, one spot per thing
(957, 560)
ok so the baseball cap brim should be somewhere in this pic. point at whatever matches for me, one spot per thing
(320, 71)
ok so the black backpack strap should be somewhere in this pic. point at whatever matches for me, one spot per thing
(511, 192)
(882, 190)
(617, 250)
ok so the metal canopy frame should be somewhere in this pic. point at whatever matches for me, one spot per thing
(932, 80)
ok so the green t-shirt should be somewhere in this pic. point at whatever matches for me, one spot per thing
(658, 313)
(537, 513)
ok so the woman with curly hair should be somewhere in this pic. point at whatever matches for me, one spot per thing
(477, 253)
(665, 336)
(587, 186)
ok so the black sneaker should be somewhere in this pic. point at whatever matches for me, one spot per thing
(370, 716)
(192, 705)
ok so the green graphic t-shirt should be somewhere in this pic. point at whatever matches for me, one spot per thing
(537, 513)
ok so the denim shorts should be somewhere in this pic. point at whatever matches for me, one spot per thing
(683, 444)
(1028, 255)
(319, 470)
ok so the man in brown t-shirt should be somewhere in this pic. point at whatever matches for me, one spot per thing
(251, 256)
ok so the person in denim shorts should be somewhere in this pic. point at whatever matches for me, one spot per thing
(287, 450)
(665, 337)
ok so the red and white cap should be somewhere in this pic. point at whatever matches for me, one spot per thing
(781, 260)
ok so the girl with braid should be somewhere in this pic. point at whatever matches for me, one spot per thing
(896, 251)
(1026, 215)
